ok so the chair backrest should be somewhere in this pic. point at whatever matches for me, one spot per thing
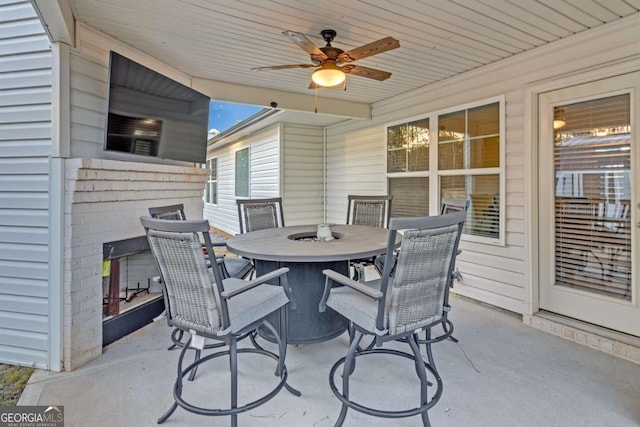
(416, 294)
(453, 205)
(192, 289)
(369, 210)
(168, 212)
(260, 214)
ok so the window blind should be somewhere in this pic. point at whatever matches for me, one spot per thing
(592, 197)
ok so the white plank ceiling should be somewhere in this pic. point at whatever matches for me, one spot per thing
(222, 40)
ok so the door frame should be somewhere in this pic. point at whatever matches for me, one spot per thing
(531, 177)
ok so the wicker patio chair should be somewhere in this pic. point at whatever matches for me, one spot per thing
(206, 305)
(260, 214)
(373, 211)
(231, 267)
(399, 306)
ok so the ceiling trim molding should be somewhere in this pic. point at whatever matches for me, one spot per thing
(57, 19)
(253, 95)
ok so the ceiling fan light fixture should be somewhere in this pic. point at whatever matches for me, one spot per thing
(328, 75)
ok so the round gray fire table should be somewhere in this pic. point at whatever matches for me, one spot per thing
(295, 247)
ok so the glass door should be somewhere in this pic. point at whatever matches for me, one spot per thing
(588, 195)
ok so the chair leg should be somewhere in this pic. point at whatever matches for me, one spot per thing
(427, 346)
(358, 272)
(422, 374)
(282, 339)
(445, 326)
(176, 337)
(233, 368)
(351, 330)
(282, 352)
(196, 357)
(347, 371)
(177, 390)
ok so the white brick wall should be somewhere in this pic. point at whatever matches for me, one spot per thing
(104, 200)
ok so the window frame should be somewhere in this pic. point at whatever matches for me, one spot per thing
(434, 173)
(211, 183)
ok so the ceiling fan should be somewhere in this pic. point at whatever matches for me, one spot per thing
(333, 63)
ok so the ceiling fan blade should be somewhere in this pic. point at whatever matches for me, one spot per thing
(371, 73)
(282, 67)
(306, 44)
(369, 49)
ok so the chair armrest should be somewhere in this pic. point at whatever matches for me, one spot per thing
(346, 281)
(255, 282)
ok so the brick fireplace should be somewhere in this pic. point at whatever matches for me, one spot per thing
(104, 200)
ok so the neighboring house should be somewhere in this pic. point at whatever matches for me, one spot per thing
(62, 197)
(281, 159)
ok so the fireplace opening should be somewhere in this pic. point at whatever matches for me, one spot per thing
(132, 295)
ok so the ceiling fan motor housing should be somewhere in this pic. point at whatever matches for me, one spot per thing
(328, 36)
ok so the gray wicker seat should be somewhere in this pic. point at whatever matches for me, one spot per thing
(373, 211)
(203, 304)
(399, 306)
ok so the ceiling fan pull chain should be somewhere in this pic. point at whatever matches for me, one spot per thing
(316, 97)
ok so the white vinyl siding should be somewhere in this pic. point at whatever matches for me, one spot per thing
(355, 165)
(25, 146)
(88, 106)
(356, 151)
(302, 169)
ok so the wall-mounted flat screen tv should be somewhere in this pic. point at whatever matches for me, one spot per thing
(152, 115)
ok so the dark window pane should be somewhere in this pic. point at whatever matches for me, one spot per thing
(397, 160)
(472, 142)
(485, 152)
(242, 173)
(451, 155)
(408, 147)
(484, 120)
(451, 126)
(483, 218)
(410, 196)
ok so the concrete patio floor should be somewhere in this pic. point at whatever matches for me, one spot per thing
(502, 373)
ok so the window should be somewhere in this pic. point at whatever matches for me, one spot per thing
(592, 159)
(455, 154)
(242, 173)
(211, 190)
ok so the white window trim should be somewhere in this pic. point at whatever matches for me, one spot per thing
(434, 174)
(209, 181)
